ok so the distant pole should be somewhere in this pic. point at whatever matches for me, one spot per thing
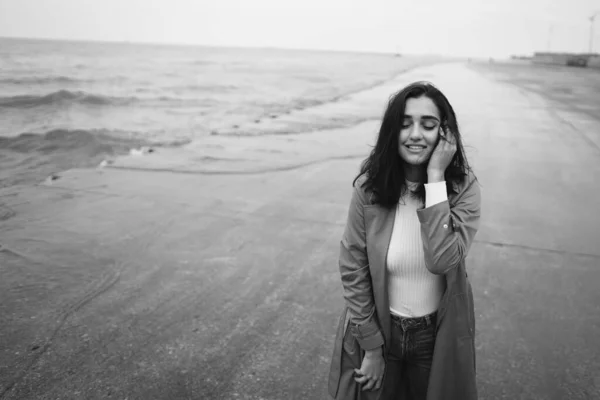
(592, 18)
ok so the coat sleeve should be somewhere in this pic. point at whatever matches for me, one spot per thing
(447, 232)
(355, 275)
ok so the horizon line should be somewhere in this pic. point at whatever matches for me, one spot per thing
(250, 47)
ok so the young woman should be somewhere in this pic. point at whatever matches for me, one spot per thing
(407, 331)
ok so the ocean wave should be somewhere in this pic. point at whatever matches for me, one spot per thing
(62, 96)
(215, 88)
(68, 97)
(41, 80)
(32, 157)
(89, 141)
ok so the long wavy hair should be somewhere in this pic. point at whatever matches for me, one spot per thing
(384, 169)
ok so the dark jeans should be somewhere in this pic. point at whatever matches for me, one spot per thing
(409, 358)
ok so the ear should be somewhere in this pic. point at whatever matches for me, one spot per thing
(442, 130)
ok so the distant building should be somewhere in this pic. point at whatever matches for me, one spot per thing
(594, 61)
(570, 59)
(517, 57)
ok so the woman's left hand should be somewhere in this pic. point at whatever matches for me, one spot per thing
(442, 154)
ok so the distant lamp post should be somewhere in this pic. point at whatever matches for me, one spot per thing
(592, 18)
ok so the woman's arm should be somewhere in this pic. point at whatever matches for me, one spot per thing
(356, 278)
(447, 233)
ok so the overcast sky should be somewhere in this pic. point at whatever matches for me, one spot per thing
(454, 27)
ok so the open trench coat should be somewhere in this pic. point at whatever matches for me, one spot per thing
(447, 230)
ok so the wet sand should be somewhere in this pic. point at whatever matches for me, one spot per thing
(211, 271)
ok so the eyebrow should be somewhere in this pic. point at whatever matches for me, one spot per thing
(426, 117)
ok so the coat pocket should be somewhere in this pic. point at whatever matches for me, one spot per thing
(351, 348)
(349, 341)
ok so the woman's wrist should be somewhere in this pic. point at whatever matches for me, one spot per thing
(435, 176)
(378, 351)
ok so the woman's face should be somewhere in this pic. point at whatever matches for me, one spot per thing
(420, 131)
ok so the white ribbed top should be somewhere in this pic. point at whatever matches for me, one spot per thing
(413, 290)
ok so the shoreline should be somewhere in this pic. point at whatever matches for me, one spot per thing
(265, 148)
(297, 120)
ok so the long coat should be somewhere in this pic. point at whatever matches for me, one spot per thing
(447, 230)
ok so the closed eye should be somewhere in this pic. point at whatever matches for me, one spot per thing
(427, 122)
(426, 125)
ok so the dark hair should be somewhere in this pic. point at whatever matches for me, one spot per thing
(383, 168)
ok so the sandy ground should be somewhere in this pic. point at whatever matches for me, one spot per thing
(210, 272)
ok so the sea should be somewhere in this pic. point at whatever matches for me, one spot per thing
(66, 104)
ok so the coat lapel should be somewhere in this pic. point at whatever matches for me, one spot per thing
(379, 223)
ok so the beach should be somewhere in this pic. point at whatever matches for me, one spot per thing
(208, 270)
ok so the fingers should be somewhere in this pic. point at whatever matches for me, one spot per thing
(373, 384)
(447, 134)
(449, 141)
(359, 377)
(363, 379)
(451, 138)
(368, 383)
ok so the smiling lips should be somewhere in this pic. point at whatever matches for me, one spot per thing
(415, 148)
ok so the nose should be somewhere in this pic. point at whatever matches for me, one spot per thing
(415, 133)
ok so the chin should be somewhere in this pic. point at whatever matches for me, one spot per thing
(416, 161)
